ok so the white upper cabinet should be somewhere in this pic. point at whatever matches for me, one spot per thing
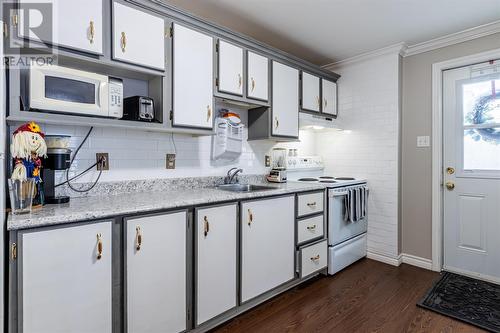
(257, 77)
(138, 36)
(193, 78)
(329, 97)
(311, 100)
(216, 270)
(65, 279)
(267, 245)
(156, 273)
(83, 32)
(285, 101)
(230, 68)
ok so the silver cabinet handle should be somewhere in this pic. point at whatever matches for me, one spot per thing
(311, 227)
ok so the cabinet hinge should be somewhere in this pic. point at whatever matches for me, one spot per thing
(171, 31)
(171, 115)
(15, 19)
(217, 82)
(5, 30)
(189, 314)
(13, 251)
(217, 47)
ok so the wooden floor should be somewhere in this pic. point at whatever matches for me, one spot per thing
(366, 297)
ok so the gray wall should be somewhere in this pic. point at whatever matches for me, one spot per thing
(417, 120)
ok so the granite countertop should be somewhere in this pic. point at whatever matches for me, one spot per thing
(100, 207)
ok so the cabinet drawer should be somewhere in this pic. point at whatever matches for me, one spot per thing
(313, 258)
(310, 228)
(310, 203)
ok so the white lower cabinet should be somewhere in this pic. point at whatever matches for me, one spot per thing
(156, 273)
(216, 270)
(65, 283)
(313, 258)
(267, 245)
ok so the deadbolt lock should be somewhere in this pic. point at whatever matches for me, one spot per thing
(450, 170)
(450, 185)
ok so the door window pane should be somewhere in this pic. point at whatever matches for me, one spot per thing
(481, 102)
(482, 149)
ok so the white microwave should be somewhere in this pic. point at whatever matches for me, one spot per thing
(67, 90)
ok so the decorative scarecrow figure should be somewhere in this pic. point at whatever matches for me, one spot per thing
(27, 148)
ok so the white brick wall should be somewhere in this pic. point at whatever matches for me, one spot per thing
(369, 109)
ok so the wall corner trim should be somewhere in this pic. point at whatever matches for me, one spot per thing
(399, 48)
(454, 38)
(386, 259)
(416, 261)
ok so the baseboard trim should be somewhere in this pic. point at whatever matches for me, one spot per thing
(416, 261)
(384, 258)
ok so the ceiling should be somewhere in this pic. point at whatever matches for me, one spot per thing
(324, 31)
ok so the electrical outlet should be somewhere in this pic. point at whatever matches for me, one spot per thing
(170, 161)
(104, 165)
(268, 161)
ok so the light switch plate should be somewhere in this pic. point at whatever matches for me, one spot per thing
(423, 141)
(268, 161)
(170, 161)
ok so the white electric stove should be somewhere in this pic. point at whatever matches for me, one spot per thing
(347, 241)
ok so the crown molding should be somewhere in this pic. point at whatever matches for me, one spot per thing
(454, 38)
(399, 48)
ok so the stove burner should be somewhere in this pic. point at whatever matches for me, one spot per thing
(345, 178)
(327, 181)
(307, 179)
(326, 177)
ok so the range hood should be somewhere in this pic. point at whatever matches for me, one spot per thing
(309, 121)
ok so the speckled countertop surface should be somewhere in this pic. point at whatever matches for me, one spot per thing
(100, 207)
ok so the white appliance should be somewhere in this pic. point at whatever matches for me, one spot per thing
(347, 241)
(61, 89)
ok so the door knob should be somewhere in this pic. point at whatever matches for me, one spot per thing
(450, 170)
(450, 185)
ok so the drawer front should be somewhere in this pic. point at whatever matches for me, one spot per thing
(310, 203)
(310, 228)
(313, 258)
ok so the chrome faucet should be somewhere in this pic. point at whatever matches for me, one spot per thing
(232, 176)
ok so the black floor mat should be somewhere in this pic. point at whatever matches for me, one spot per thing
(473, 301)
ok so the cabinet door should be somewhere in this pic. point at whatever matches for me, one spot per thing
(310, 92)
(258, 77)
(192, 78)
(156, 273)
(138, 37)
(267, 248)
(65, 283)
(329, 97)
(230, 68)
(215, 261)
(285, 108)
(81, 32)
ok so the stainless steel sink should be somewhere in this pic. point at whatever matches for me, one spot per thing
(244, 187)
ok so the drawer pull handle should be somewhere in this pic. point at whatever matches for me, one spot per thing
(239, 81)
(91, 32)
(99, 246)
(250, 217)
(138, 238)
(315, 258)
(123, 41)
(209, 113)
(206, 226)
(253, 84)
(311, 227)
(277, 122)
(311, 204)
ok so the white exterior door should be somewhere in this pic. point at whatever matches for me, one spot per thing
(216, 250)
(267, 245)
(230, 68)
(156, 273)
(471, 107)
(258, 77)
(311, 100)
(193, 74)
(329, 90)
(285, 108)
(66, 284)
(138, 37)
(81, 32)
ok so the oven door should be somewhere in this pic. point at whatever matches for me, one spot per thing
(338, 229)
(67, 90)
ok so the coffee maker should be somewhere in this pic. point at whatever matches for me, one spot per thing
(278, 171)
(58, 159)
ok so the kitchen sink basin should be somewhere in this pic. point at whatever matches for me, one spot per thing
(244, 187)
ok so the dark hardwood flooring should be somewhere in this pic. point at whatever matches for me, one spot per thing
(368, 296)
